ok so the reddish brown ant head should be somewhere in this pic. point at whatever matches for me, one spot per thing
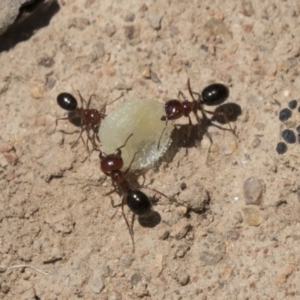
(173, 109)
(110, 163)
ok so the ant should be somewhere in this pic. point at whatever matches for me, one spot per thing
(137, 201)
(213, 94)
(90, 119)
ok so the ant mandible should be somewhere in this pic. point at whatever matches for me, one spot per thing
(137, 201)
(213, 94)
(90, 119)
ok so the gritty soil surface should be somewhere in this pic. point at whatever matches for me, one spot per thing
(241, 243)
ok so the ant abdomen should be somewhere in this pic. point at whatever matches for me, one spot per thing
(215, 94)
(67, 101)
(138, 202)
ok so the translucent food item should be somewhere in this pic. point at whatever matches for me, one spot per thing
(143, 119)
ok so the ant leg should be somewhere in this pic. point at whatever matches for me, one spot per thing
(127, 223)
(59, 119)
(190, 90)
(113, 191)
(118, 150)
(89, 101)
(185, 98)
(158, 144)
(82, 100)
(112, 201)
(92, 138)
(102, 111)
(127, 170)
(122, 94)
(172, 200)
(83, 128)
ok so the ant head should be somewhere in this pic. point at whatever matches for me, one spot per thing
(110, 163)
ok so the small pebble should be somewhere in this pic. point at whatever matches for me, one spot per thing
(298, 129)
(247, 8)
(115, 296)
(135, 279)
(46, 61)
(129, 17)
(3, 269)
(256, 142)
(181, 229)
(181, 251)
(154, 19)
(5, 288)
(210, 258)
(293, 104)
(25, 254)
(285, 114)
(183, 279)
(253, 189)
(146, 72)
(126, 260)
(155, 78)
(130, 32)
(110, 29)
(289, 136)
(298, 138)
(164, 235)
(252, 216)
(106, 57)
(36, 93)
(299, 109)
(120, 84)
(281, 148)
(232, 235)
(238, 216)
(188, 196)
(97, 285)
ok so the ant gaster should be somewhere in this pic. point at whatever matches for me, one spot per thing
(213, 94)
(90, 119)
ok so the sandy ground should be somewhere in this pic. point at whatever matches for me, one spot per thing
(53, 212)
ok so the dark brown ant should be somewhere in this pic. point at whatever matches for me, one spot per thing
(89, 119)
(213, 94)
(137, 201)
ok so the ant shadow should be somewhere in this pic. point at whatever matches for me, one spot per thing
(31, 18)
(150, 220)
(74, 119)
(186, 136)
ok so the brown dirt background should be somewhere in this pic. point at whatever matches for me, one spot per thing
(53, 215)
